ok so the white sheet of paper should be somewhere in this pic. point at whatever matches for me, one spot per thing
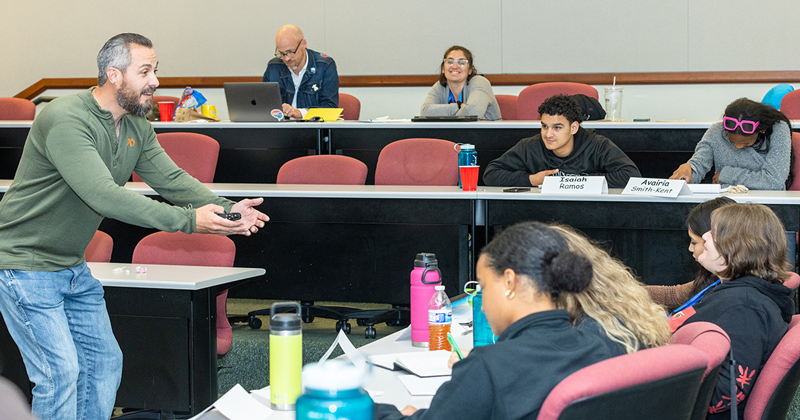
(237, 404)
(348, 348)
(422, 386)
(705, 188)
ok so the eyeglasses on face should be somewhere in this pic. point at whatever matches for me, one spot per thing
(747, 126)
(461, 61)
(281, 54)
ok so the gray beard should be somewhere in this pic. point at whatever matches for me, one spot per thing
(131, 104)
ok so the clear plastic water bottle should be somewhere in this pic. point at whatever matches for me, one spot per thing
(333, 391)
(440, 316)
(467, 156)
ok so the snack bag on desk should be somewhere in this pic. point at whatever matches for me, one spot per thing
(187, 106)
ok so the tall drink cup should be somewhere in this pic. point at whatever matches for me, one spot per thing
(424, 278)
(613, 103)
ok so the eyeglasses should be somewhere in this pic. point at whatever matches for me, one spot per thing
(281, 54)
(747, 126)
(461, 61)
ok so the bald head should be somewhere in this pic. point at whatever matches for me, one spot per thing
(289, 33)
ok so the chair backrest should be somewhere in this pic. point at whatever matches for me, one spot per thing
(178, 248)
(790, 105)
(195, 153)
(163, 98)
(17, 109)
(323, 169)
(350, 105)
(532, 96)
(715, 343)
(658, 383)
(795, 169)
(779, 379)
(418, 162)
(793, 281)
(775, 95)
(100, 248)
(508, 106)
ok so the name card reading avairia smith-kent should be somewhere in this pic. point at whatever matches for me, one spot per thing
(657, 187)
(574, 184)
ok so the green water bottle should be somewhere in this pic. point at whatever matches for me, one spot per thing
(285, 356)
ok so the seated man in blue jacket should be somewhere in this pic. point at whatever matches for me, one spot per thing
(307, 78)
(562, 148)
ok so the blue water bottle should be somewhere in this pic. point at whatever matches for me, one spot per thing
(481, 330)
(467, 156)
(333, 391)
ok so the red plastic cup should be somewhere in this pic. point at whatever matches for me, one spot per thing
(469, 177)
(166, 110)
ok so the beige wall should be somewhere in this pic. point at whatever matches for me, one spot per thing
(236, 38)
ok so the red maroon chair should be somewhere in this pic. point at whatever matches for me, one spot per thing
(778, 381)
(790, 105)
(17, 109)
(99, 248)
(178, 248)
(195, 153)
(655, 384)
(323, 169)
(532, 96)
(716, 344)
(508, 106)
(350, 105)
(418, 162)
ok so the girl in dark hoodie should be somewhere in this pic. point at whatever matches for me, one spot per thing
(746, 249)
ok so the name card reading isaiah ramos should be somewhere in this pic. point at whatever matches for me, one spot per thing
(575, 184)
(657, 187)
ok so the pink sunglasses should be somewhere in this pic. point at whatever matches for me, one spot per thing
(747, 126)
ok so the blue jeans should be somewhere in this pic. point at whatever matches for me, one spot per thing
(60, 324)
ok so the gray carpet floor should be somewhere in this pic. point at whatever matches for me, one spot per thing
(247, 363)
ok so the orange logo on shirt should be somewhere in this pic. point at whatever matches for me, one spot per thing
(131, 142)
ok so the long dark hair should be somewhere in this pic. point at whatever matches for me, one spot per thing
(699, 222)
(767, 116)
(472, 70)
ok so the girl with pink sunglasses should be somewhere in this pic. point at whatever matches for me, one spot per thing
(751, 146)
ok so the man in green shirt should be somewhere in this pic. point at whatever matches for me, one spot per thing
(78, 155)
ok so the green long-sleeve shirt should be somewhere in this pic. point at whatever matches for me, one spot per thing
(71, 175)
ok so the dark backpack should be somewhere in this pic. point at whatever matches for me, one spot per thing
(590, 107)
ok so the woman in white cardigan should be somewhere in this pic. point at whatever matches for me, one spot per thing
(460, 91)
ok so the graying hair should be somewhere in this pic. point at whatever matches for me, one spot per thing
(117, 53)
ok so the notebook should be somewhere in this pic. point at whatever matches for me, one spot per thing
(439, 118)
(254, 102)
(324, 114)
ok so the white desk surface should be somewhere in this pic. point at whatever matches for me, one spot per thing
(615, 195)
(175, 277)
(408, 124)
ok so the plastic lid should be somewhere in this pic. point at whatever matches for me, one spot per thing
(425, 259)
(439, 287)
(467, 146)
(285, 322)
(332, 375)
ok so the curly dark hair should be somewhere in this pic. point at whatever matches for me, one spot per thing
(467, 53)
(562, 105)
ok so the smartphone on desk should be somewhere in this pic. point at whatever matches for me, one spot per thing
(516, 189)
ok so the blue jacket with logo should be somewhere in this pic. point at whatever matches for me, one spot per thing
(320, 85)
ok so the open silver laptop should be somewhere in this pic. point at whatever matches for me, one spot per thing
(254, 102)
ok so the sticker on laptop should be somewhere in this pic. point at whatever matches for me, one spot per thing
(277, 113)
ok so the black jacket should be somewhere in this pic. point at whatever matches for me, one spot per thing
(756, 315)
(592, 154)
(510, 379)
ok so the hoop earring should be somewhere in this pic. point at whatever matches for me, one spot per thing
(510, 294)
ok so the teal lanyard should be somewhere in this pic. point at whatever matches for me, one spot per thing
(452, 99)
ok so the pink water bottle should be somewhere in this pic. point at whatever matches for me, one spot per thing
(424, 278)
